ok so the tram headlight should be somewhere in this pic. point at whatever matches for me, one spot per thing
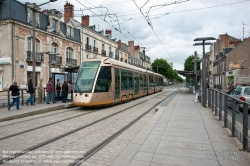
(86, 95)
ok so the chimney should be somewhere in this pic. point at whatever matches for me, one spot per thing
(119, 43)
(68, 12)
(45, 11)
(85, 20)
(143, 51)
(131, 48)
(108, 31)
(225, 40)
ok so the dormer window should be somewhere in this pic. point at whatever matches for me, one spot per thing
(31, 16)
(54, 22)
(69, 29)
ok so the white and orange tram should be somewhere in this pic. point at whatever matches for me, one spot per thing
(105, 81)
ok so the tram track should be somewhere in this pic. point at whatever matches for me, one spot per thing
(95, 149)
(45, 116)
(70, 132)
(59, 121)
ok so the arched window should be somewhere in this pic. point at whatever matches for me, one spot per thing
(69, 53)
(29, 44)
(54, 48)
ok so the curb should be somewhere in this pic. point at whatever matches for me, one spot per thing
(45, 110)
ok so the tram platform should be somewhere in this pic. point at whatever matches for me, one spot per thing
(182, 132)
(25, 111)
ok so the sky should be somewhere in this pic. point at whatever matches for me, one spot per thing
(173, 26)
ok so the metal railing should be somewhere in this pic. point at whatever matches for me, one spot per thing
(70, 61)
(38, 56)
(103, 52)
(231, 117)
(54, 59)
(5, 97)
(95, 49)
(88, 47)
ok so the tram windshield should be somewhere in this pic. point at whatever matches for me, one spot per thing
(86, 76)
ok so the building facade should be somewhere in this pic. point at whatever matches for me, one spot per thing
(61, 40)
(237, 65)
(223, 45)
(95, 43)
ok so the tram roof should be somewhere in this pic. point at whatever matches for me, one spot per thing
(119, 63)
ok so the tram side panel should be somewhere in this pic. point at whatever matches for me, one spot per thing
(103, 88)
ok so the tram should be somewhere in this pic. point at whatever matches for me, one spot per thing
(105, 81)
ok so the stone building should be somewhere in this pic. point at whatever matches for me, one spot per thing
(217, 58)
(59, 38)
(237, 66)
(95, 43)
(136, 57)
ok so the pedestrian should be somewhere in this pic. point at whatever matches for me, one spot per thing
(58, 89)
(15, 95)
(69, 90)
(65, 89)
(31, 92)
(50, 91)
(40, 90)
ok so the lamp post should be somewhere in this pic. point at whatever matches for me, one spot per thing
(203, 43)
(35, 8)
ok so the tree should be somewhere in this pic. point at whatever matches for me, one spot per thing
(189, 65)
(163, 67)
(166, 70)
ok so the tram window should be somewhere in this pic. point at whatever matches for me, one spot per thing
(124, 79)
(86, 76)
(136, 80)
(144, 81)
(140, 81)
(130, 80)
(104, 79)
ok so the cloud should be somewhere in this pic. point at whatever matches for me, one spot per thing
(176, 30)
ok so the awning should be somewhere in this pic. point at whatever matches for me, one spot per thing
(5, 61)
(185, 73)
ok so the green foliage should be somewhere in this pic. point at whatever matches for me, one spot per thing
(166, 70)
(189, 65)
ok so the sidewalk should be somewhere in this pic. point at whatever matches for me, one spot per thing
(25, 111)
(183, 133)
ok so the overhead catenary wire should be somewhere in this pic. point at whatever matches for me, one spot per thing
(154, 32)
(111, 25)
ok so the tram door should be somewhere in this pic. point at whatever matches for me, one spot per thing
(136, 87)
(117, 84)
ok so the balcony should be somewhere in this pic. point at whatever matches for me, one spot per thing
(117, 57)
(95, 49)
(54, 59)
(38, 57)
(103, 53)
(71, 62)
(87, 47)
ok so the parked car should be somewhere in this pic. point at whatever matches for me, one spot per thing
(235, 85)
(242, 93)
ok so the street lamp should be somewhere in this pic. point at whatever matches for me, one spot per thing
(203, 43)
(35, 8)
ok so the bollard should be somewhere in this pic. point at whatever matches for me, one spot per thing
(220, 105)
(209, 98)
(34, 95)
(156, 109)
(22, 97)
(8, 97)
(233, 117)
(225, 110)
(216, 103)
(44, 94)
(245, 126)
(212, 101)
